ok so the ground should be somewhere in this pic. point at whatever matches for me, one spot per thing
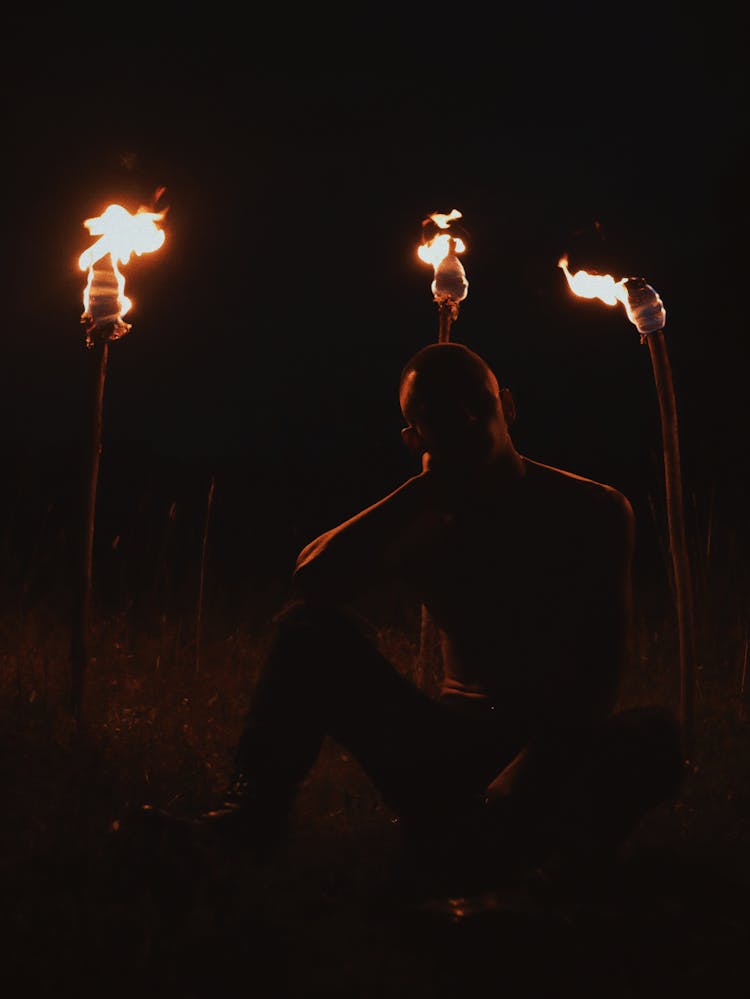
(87, 912)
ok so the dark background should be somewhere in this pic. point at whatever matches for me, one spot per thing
(300, 154)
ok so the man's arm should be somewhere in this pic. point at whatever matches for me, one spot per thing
(592, 646)
(595, 616)
(350, 558)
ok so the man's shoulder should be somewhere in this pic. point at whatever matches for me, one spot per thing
(566, 487)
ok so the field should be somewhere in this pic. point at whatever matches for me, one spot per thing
(87, 913)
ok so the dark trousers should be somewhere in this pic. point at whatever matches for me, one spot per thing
(435, 761)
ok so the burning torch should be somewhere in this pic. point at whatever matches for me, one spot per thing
(645, 310)
(104, 305)
(440, 247)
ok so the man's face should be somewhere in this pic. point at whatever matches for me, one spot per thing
(460, 419)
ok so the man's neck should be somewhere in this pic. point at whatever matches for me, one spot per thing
(508, 465)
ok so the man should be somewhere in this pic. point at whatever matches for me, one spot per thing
(526, 571)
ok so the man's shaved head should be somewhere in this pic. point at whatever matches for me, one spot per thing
(454, 407)
(440, 375)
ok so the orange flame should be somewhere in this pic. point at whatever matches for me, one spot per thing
(449, 283)
(120, 235)
(601, 286)
(436, 249)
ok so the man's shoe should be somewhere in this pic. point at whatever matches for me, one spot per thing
(240, 824)
(248, 819)
(243, 827)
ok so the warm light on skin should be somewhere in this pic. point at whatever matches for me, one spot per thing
(121, 234)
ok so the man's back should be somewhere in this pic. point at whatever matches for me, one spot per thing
(524, 568)
(529, 584)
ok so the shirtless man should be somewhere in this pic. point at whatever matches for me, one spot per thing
(526, 571)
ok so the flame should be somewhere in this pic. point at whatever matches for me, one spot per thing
(449, 284)
(643, 305)
(439, 247)
(601, 286)
(444, 221)
(433, 250)
(120, 235)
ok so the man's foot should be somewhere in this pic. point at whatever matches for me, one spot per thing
(241, 824)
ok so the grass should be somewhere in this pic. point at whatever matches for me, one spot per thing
(84, 916)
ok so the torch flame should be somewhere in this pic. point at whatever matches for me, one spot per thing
(433, 250)
(449, 286)
(643, 305)
(601, 286)
(444, 221)
(121, 234)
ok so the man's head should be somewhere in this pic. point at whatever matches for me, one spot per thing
(454, 408)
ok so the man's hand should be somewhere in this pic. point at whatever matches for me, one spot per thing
(644, 307)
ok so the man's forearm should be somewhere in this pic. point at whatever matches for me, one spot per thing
(345, 560)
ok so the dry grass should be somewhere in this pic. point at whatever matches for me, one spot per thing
(83, 916)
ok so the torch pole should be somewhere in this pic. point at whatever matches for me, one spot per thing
(428, 644)
(677, 537)
(83, 583)
(445, 319)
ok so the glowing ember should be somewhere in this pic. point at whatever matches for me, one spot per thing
(120, 235)
(440, 249)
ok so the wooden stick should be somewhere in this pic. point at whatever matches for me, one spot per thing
(83, 585)
(429, 648)
(677, 539)
(445, 319)
(204, 549)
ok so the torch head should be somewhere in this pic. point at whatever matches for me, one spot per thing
(450, 278)
(120, 235)
(456, 412)
(644, 307)
(440, 247)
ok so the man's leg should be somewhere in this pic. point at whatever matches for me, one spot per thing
(635, 764)
(324, 676)
(606, 781)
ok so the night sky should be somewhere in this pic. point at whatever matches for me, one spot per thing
(299, 159)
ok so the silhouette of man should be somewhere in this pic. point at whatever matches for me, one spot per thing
(526, 571)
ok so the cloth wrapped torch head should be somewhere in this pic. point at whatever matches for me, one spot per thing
(644, 307)
(450, 278)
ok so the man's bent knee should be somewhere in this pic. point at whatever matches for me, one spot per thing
(322, 635)
(320, 618)
(331, 627)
